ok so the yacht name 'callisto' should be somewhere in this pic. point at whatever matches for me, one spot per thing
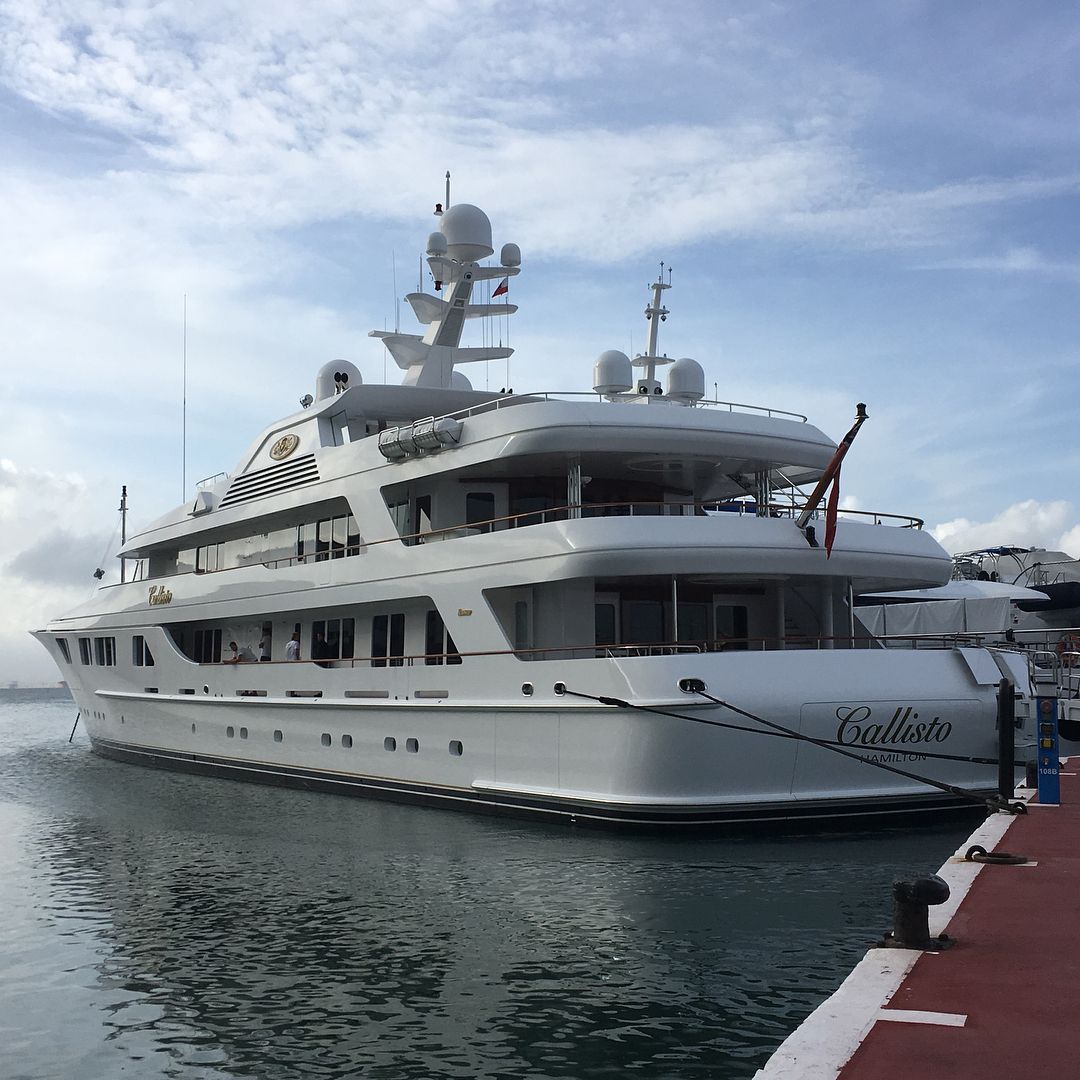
(516, 603)
(903, 727)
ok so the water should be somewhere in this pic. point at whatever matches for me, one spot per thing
(161, 925)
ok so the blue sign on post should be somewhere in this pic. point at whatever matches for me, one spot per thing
(1046, 709)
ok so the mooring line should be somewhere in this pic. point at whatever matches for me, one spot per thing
(994, 803)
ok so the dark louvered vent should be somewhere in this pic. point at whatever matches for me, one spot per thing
(278, 478)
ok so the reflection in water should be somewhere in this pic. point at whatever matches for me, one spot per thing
(193, 927)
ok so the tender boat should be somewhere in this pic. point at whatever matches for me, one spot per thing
(605, 607)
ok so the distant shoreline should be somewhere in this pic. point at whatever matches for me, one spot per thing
(54, 691)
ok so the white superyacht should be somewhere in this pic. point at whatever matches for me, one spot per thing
(614, 607)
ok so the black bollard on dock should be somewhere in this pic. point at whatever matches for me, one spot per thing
(913, 897)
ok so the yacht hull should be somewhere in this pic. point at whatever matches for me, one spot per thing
(663, 758)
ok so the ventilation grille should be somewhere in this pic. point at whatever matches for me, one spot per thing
(271, 481)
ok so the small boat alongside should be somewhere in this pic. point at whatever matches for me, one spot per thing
(614, 607)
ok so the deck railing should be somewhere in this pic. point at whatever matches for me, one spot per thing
(507, 400)
(567, 512)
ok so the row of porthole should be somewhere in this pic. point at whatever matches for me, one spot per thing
(412, 746)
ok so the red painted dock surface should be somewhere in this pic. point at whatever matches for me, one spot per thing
(1003, 1001)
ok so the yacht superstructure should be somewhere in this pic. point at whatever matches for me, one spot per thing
(537, 603)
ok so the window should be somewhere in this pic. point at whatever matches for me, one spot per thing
(605, 624)
(389, 743)
(422, 516)
(397, 639)
(305, 541)
(140, 652)
(340, 537)
(399, 514)
(644, 622)
(379, 624)
(84, 651)
(62, 645)
(693, 622)
(207, 646)
(338, 637)
(522, 628)
(480, 509)
(325, 738)
(105, 651)
(439, 647)
(324, 537)
(206, 559)
(456, 749)
(388, 639)
(412, 746)
(731, 626)
(346, 741)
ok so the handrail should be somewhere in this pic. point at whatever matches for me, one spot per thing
(504, 400)
(710, 508)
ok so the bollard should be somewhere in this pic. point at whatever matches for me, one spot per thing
(913, 897)
(1006, 730)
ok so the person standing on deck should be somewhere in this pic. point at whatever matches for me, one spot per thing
(292, 649)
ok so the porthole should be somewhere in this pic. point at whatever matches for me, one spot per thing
(230, 731)
(456, 749)
(278, 736)
(346, 741)
(559, 688)
(243, 733)
(326, 740)
(412, 746)
(389, 743)
(527, 689)
(206, 689)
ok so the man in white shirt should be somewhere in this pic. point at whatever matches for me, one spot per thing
(292, 649)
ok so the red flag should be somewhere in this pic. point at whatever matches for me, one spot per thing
(830, 514)
(504, 287)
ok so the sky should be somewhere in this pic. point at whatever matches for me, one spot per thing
(873, 202)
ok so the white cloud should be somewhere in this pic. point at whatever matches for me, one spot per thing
(1029, 523)
(1017, 260)
(279, 116)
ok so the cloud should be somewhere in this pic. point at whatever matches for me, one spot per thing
(1016, 260)
(1023, 524)
(281, 117)
(60, 558)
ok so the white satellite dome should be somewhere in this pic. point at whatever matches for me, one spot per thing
(467, 231)
(686, 380)
(612, 373)
(459, 381)
(335, 378)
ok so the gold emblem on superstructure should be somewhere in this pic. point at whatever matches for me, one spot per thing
(284, 447)
(160, 595)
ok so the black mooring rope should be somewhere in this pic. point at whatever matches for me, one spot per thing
(779, 729)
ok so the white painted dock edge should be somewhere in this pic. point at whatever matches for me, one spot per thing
(825, 1041)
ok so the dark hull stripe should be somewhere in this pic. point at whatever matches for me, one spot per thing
(791, 815)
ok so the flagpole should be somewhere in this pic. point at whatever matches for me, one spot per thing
(833, 468)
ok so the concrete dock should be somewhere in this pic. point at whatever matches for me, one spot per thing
(1000, 1001)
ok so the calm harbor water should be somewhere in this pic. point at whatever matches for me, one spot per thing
(160, 925)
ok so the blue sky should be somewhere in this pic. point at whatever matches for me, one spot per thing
(871, 202)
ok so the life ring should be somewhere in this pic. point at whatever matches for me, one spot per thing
(1068, 649)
